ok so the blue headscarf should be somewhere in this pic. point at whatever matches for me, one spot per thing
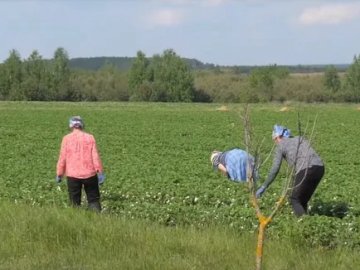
(281, 131)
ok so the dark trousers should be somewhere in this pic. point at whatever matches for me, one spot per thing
(91, 187)
(305, 184)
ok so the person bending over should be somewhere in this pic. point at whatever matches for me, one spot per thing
(306, 163)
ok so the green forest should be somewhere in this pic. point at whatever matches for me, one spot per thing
(167, 77)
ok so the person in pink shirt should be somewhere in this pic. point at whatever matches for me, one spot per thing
(80, 162)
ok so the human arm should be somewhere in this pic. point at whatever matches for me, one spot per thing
(61, 164)
(222, 169)
(275, 167)
(97, 164)
(96, 158)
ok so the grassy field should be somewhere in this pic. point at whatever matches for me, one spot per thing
(54, 238)
(156, 158)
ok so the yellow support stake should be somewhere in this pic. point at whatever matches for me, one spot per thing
(260, 244)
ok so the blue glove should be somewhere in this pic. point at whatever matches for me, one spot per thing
(101, 178)
(260, 191)
(58, 179)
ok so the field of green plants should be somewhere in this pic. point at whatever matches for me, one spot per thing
(156, 158)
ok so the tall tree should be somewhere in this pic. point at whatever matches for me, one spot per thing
(61, 76)
(11, 77)
(173, 80)
(331, 79)
(352, 80)
(4, 90)
(139, 77)
(106, 82)
(34, 83)
(263, 79)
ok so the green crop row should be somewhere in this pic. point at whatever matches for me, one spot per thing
(156, 158)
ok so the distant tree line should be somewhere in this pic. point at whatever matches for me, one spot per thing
(167, 77)
(125, 63)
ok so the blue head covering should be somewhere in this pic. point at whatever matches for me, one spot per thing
(281, 131)
(76, 122)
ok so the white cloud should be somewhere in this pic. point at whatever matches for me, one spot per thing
(176, 15)
(166, 17)
(214, 3)
(330, 14)
(206, 3)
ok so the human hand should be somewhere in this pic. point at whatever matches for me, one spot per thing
(58, 179)
(260, 191)
(101, 178)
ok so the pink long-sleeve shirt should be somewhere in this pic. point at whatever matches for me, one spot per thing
(79, 157)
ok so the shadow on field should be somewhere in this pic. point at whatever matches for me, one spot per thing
(330, 209)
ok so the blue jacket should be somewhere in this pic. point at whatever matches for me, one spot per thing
(236, 162)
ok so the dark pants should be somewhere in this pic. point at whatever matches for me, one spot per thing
(305, 184)
(91, 187)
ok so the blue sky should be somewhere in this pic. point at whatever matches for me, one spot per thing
(222, 32)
